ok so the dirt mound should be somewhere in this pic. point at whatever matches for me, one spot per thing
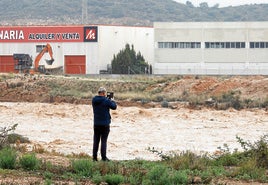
(248, 87)
(39, 88)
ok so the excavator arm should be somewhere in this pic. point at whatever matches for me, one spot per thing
(48, 49)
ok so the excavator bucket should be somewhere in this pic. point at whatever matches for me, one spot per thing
(50, 62)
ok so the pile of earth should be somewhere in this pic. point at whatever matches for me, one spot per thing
(37, 88)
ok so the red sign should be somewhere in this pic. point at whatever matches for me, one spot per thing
(91, 34)
(47, 34)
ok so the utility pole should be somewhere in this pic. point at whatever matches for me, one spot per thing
(84, 11)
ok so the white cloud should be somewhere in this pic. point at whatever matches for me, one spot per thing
(224, 3)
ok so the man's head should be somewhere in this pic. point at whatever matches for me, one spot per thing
(102, 91)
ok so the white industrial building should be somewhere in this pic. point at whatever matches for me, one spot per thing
(211, 48)
(77, 49)
(207, 48)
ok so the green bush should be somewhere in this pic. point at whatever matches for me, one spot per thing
(257, 150)
(97, 178)
(179, 177)
(158, 175)
(29, 162)
(230, 99)
(135, 177)
(189, 160)
(228, 159)
(7, 158)
(48, 182)
(161, 174)
(249, 170)
(206, 176)
(83, 167)
(48, 175)
(114, 179)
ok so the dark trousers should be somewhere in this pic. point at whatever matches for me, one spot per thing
(100, 134)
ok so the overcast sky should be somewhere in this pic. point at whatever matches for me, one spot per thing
(224, 3)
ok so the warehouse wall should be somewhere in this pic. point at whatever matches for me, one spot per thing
(98, 54)
(244, 60)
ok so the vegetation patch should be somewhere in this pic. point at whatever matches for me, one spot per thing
(174, 168)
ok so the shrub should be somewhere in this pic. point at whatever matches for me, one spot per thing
(189, 160)
(164, 104)
(158, 98)
(83, 167)
(48, 182)
(135, 177)
(257, 150)
(97, 178)
(29, 162)
(48, 175)
(249, 171)
(158, 175)
(248, 103)
(226, 157)
(179, 177)
(13, 138)
(4, 134)
(265, 103)
(230, 99)
(7, 158)
(206, 176)
(114, 179)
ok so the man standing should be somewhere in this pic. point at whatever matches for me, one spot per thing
(102, 119)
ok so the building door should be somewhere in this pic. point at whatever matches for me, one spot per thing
(7, 64)
(75, 64)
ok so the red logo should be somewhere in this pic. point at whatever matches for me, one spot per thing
(91, 34)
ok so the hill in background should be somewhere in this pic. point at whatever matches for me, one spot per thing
(121, 12)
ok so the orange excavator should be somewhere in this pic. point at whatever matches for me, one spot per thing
(23, 62)
(41, 68)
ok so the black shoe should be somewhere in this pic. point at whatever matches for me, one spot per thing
(95, 159)
(105, 159)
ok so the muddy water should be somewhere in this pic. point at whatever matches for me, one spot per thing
(67, 128)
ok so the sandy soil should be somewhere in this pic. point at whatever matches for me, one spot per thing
(67, 128)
